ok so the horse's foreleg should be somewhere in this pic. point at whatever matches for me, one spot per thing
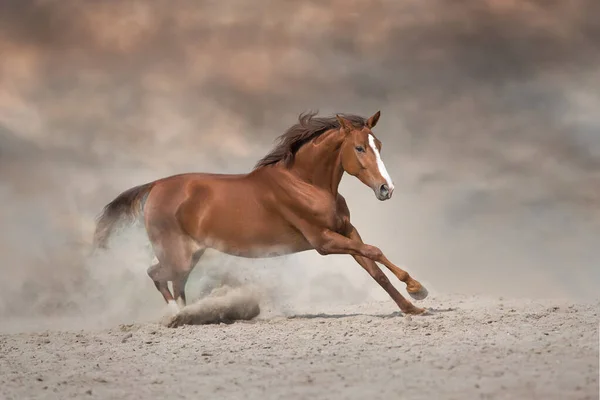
(413, 287)
(329, 242)
(376, 273)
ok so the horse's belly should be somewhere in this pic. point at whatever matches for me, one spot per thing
(253, 235)
(256, 244)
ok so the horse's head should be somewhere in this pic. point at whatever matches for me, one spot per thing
(361, 156)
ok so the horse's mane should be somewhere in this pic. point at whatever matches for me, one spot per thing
(308, 128)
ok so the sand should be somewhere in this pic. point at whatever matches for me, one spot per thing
(468, 348)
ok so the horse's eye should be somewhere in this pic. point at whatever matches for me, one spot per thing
(360, 149)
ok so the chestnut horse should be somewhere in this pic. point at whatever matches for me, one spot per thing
(288, 203)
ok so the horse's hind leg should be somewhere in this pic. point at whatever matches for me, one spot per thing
(161, 277)
(177, 255)
(181, 276)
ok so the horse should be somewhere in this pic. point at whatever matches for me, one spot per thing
(288, 203)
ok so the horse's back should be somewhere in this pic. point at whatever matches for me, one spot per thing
(170, 194)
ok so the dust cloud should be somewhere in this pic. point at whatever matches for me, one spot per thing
(223, 305)
(489, 125)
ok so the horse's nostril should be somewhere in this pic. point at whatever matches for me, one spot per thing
(384, 189)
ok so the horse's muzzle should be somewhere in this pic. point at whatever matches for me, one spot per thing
(384, 192)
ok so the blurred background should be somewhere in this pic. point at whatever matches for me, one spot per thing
(490, 130)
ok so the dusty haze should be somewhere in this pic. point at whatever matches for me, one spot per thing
(489, 126)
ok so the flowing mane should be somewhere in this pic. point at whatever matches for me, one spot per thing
(308, 128)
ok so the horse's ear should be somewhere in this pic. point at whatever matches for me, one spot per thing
(344, 124)
(371, 122)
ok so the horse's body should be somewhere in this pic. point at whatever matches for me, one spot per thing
(288, 204)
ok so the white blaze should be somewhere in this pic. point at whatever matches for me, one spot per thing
(380, 164)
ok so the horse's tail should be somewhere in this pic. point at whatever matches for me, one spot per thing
(126, 207)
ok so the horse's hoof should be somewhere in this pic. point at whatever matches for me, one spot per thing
(176, 322)
(417, 311)
(419, 294)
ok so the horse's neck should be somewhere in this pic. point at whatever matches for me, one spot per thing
(319, 162)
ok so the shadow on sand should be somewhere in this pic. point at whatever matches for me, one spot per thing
(428, 313)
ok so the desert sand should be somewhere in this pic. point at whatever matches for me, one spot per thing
(469, 347)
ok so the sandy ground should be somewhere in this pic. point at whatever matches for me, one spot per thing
(469, 347)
